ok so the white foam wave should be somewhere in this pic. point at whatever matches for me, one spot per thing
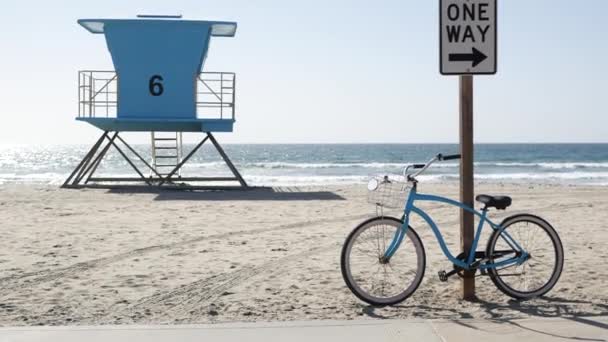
(288, 165)
(555, 166)
(545, 176)
(306, 180)
(580, 177)
(46, 178)
(392, 166)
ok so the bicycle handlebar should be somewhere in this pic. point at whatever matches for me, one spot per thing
(423, 167)
(448, 157)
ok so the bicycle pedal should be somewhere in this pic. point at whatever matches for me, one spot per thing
(444, 276)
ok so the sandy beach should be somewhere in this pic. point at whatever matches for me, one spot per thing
(92, 257)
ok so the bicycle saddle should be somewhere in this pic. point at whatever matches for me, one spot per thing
(498, 202)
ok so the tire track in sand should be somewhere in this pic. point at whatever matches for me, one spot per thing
(201, 293)
(38, 277)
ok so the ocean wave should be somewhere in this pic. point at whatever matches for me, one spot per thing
(554, 166)
(597, 177)
(46, 178)
(289, 165)
(10, 165)
(393, 166)
(545, 176)
(304, 180)
(578, 177)
(587, 178)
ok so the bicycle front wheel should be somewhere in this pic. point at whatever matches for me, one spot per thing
(537, 275)
(369, 276)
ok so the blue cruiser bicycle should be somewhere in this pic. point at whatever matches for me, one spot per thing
(383, 259)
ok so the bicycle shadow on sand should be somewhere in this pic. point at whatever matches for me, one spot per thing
(253, 194)
(544, 307)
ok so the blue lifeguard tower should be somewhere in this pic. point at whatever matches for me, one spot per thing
(158, 87)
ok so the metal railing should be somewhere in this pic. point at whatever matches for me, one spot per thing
(215, 94)
(98, 94)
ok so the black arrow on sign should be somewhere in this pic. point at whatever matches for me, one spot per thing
(476, 57)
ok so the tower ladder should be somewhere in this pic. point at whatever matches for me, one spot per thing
(166, 152)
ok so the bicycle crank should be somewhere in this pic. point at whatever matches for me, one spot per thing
(457, 270)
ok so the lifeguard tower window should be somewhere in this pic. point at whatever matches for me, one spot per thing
(157, 86)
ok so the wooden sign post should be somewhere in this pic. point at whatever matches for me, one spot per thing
(467, 47)
(467, 230)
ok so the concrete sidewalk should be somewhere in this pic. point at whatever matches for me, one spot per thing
(580, 329)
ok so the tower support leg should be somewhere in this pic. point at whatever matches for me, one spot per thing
(220, 150)
(227, 160)
(84, 172)
(90, 170)
(179, 166)
(84, 163)
(141, 175)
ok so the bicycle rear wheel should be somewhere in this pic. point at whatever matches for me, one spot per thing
(537, 275)
(377, 281)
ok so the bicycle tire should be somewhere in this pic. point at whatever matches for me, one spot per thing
(556, 248)
(355, 286)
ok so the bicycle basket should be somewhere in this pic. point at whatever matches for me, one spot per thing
(388, 192)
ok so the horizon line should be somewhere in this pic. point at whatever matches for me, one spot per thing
(341, 143)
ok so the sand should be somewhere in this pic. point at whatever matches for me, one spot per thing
(87, 257)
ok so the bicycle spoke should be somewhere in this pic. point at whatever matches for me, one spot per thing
(373, 282)
(366, 251)
(535, 272)
(370, 273)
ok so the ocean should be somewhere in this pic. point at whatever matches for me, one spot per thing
(324, 164)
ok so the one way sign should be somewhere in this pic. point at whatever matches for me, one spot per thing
(468, 37)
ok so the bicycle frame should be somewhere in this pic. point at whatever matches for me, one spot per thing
(468, 264)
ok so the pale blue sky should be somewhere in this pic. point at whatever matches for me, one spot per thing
(329, 71)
